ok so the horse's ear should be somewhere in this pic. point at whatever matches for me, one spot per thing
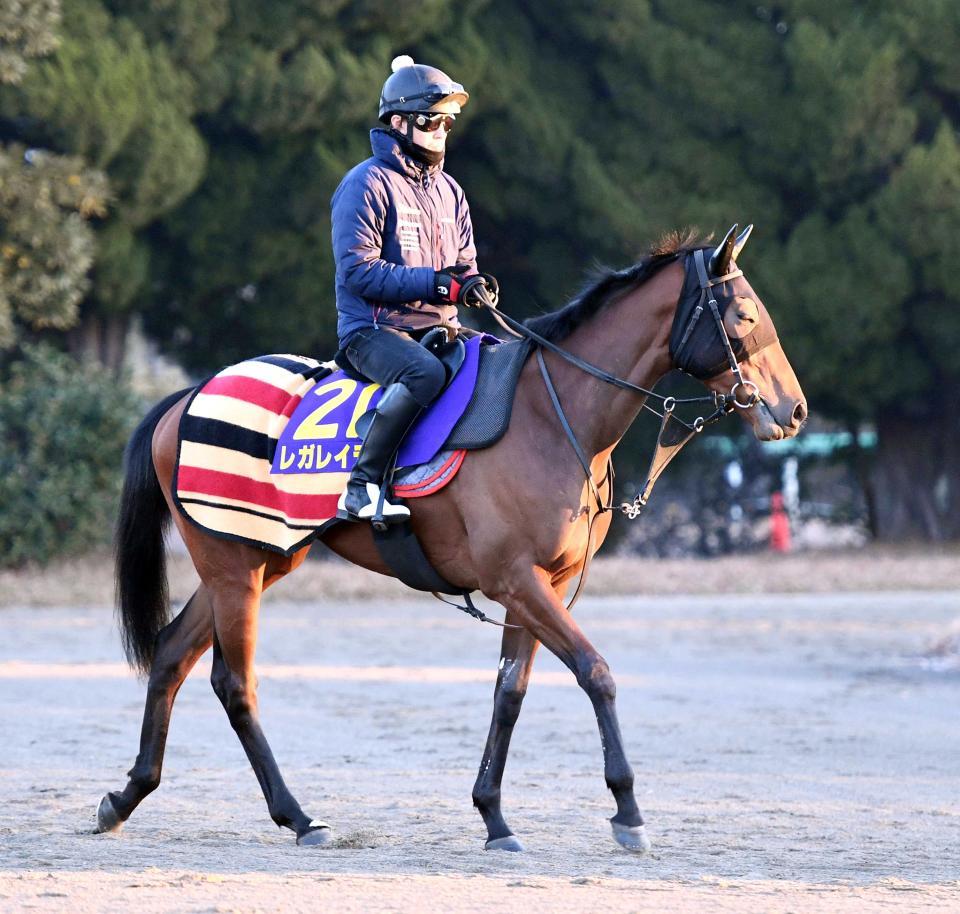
(721, 257)
(741, 241)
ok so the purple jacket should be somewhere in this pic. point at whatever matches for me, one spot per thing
(395, 222)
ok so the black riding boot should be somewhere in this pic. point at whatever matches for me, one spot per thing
(394, 415)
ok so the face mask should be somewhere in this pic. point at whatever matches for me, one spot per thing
(419, 153)
(695, 343)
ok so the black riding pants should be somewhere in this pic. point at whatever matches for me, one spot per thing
(390, 356)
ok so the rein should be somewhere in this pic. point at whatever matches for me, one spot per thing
(669, 440)
(723, 403)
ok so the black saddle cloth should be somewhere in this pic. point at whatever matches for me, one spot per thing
(483, 423)
(487, 416)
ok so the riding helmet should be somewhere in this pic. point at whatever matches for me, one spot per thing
(415, 87)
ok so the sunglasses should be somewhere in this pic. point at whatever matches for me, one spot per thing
(431, 122)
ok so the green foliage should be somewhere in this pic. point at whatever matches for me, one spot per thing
(271, 96)
(225, 125)
(63, 428)
(848, 113)
(125, 107)
(849, 311)
(46, 243)
(122, 266)
(832, 128)
(27, 29)
(87, 95)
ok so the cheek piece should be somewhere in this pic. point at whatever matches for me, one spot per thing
(699, 344)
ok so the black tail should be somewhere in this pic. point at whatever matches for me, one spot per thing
(141, 565)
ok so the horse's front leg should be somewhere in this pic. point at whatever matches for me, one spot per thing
(517, 651)
(526, 592)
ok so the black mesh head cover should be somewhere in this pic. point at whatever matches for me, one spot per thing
(695, 343)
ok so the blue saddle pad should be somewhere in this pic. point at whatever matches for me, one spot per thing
(321, 436)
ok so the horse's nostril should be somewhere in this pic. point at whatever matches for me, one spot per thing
(799, 413)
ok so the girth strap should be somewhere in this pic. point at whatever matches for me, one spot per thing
(404, 556)
(401, 551)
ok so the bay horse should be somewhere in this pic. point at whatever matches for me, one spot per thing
(513, 524)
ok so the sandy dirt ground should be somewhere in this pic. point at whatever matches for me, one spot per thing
(793, 753)
(89, 581)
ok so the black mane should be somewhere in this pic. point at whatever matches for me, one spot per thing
(606, 285)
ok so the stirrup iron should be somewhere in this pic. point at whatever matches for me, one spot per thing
(377, 509)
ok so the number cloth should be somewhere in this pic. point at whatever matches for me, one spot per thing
(267, 445)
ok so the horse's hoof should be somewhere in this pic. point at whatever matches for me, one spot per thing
(632, 837)
(508, 843)
(107, 817)
(318, 834)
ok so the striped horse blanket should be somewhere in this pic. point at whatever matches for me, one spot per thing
(225, 479)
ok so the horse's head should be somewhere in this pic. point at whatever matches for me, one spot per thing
(723, 335)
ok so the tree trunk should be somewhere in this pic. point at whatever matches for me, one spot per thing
(863, 470)
(101, 339)
(916, 477)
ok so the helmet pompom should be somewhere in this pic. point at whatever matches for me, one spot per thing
(398, 63)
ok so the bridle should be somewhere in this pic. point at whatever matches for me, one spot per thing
(722, 403)
(706, 286)
(670, 439)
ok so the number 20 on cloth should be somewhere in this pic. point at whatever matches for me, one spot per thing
(321, 436)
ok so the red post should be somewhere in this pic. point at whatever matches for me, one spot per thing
(779, 524)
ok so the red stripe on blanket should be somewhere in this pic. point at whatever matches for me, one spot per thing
(230, 485)
(291, 406)
(435, 482)
(252, 390)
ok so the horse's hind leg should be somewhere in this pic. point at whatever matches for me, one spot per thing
(179, 646)
(236, 608)
(516, 661)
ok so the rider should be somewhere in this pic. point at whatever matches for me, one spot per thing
(405, 258)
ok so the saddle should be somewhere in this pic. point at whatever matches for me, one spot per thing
(471, 412)
(445, 342)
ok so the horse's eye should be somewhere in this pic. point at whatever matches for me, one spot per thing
(742, 317)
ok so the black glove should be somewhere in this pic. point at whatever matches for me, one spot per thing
(447, 283)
